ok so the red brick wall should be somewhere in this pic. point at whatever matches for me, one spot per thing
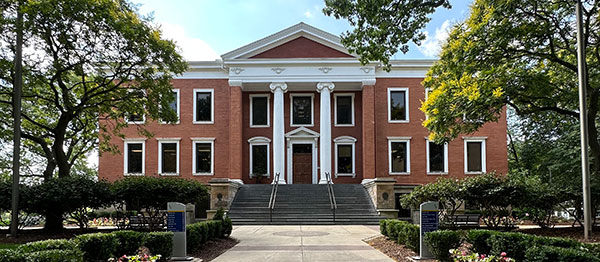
(301, 47)
(496, 150)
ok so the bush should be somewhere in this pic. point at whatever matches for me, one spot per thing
(478, 239)
(220, 214)
(593, 249)
(50, 244)
(194, 235)
(514, 244)
(551, 254)
(129, 242)
(393, 227)
(411, 233)
(11, 255)
(227, 226)
(160, 243)
(97, 246)
(383, 227)
(440, 242)
(56, 255)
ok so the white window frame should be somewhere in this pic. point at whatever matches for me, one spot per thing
(395, 140)
(136, 122)
(335, 96)
(345, 140)
(268, 96)
(126, 143)
(178, 97)
(212, 106)
(312, 109)
(162, 141)
(203, 140)
(445, 172)
(483, 154)
(260, 141)
(389, 105)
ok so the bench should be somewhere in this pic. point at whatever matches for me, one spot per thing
(466, 220)
(140, 222)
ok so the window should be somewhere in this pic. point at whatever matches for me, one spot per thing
(168, 156)
(437, 158)
(259, 110)
(474, 155)
(344, 109)
(301, 110)
(134, 157)
(136, 116)
(175, 105)
(398, 105)
(259, 156)
(203, 155)
(399, 155)
(344, 156)
(203, 106)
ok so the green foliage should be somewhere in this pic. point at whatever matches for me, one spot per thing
(383, 227)
(11, 255)
(50, 244)
(478, 238)
(411, 233)
(129, 242)
(449, 192)
(393, 226)
(381, 28)
(56, 255)
(219, 214)
(160, 243)
(194, 235)
(514, 244)
(593, 249)
(442, 241)
(97, 246)
(551, 253)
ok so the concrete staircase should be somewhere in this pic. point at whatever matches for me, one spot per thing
(303, 205)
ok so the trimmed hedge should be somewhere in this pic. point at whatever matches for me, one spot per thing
(11, 255)
(478, 239)
(160, 243)
(129, 242)
(200, 232)
(402, 232)
(551, 254)
(411, 235)
(56, 255)
(50, 244)
(440, 242)
(97, 246)
(516, 244)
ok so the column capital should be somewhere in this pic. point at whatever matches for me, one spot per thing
(280, 85)
(323, 85)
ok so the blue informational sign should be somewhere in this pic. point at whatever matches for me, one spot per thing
(176, 221)
(429, 221)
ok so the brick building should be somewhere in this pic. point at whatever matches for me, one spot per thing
(298, 104)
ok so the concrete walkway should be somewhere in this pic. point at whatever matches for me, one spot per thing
(303, 244)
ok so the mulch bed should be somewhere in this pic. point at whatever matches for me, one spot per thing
(568, 232)
(392, 249)
(214, 248)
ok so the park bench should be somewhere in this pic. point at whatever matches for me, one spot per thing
(143, 223)
(466, 220)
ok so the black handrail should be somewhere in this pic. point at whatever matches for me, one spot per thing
(332, 200)
(273, 196)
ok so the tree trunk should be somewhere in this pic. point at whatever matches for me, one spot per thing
(62, 161)
(54, 219)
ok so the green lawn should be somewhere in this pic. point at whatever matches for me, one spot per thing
(8, 246)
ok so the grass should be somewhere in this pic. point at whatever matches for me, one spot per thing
(8, 245)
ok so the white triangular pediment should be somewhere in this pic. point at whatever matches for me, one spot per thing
(284, 36)
(301, 132)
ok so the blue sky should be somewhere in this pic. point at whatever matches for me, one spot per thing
(205, 29)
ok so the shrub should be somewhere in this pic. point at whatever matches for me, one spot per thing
(129, 242)
(411, 233)
(514, 244)
(160, 243)
(194, 235)
(50, 244)
(205, 232)
(556, 242)
(550, 254)
(97, 246)
(383, 227)
(227, 226)
(56, 255)
(593, 249)
(393, 227)
(11, 255)
(220, 214)
(441, 242)
(478, 239)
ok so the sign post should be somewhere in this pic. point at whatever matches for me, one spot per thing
(430, 219)
(176, 224)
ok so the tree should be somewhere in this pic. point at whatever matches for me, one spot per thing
(86, 60)
(382, 27)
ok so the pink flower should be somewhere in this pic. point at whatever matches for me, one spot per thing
(503, 254)
(464, 253)
(482, 256)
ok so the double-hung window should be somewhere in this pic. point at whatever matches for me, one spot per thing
(259, 156)
(474, 155)
(345, 156)
(437, 158)
(399, 155)
(259, 110)
(204, 105)
(344, 109)
(398, 105)
(134, 159)
(174, 106)
(301, 109)
(203, 156)
(168, 156)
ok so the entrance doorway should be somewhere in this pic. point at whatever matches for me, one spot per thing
(302, 163)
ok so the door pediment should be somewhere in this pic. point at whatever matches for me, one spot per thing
(301, 132)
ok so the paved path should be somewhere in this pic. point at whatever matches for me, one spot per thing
(303, 244)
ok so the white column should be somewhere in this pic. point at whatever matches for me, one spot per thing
(278, 131)
(325, 123)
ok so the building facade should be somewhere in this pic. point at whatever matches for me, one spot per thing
(298, 104)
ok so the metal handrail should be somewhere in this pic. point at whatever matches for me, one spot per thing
(273, 196)
(332, 200)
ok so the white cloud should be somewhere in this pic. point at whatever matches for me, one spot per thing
(308, 14)
(432, 46)
(192, 49)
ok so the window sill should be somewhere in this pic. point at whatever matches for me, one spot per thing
(474, 173)
(345, 175)
(267, 176)
(203, 122)
(343, 125)
(400, 174)
(133, 174)
(168, 174)
(436, 173)
(300, 125)
(136, 123)
(202, 174)
(398, 121)
(260, 126)
(167, 123)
